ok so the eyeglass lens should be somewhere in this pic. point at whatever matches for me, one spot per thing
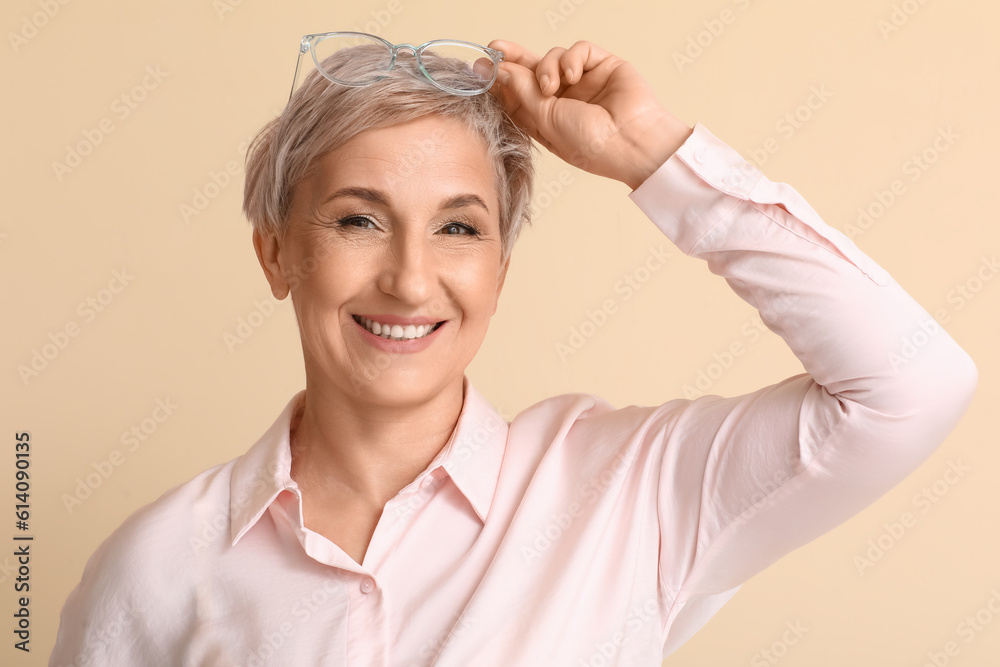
(358, 60)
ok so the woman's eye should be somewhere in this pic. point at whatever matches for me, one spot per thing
(357, 221)
(453, 228)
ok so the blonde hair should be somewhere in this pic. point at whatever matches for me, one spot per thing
(321, 116)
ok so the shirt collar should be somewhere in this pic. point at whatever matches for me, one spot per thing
(471, 457)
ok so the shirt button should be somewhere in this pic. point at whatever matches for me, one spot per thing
(700, 155)
(427, 481)
(367, 585)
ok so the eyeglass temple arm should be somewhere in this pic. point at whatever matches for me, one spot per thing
(303, 48)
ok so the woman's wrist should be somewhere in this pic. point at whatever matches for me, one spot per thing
(654, 143)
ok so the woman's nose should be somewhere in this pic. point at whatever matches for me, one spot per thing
(408, 272)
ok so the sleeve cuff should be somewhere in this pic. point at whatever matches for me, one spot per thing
(706, 180)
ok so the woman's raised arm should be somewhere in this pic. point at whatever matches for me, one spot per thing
(746, 479)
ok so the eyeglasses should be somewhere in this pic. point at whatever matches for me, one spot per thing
(360, 59)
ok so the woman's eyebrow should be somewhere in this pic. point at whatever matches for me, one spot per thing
(462, 201)
(376, 197)
(358, 192)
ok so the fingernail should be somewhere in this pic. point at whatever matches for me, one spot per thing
(483, 67)
(543, 82)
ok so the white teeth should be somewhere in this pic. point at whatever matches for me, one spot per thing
(396, 331)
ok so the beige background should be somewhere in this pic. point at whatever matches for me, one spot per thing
(225, 67)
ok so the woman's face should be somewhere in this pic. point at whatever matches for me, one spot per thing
(393, 259)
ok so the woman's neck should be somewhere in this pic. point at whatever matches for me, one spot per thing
(345, 447)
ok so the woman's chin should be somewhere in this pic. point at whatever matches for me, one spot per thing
(390, 385)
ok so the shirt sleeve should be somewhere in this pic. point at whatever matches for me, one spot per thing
(145, 596)
(747, 479)
(109, 618)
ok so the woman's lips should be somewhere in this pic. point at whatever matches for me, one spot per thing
(399, 329)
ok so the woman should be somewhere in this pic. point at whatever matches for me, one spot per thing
(390, 516)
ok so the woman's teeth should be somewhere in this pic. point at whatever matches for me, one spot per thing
(396, 331)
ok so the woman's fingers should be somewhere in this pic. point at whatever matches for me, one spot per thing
(520, 95)
(515, 53)
(590, 107)
(561, 68)
(548, 73)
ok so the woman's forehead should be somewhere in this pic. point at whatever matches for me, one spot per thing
(436, 156)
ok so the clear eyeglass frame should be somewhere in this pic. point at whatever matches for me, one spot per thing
(309, 43)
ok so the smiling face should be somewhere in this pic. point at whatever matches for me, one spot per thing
(393, 259)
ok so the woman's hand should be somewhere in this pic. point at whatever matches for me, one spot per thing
(589, 107)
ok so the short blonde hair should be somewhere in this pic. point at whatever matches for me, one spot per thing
(321, 116)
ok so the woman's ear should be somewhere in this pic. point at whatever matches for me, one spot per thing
(268, 247)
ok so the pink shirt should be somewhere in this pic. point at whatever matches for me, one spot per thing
(578, 534)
